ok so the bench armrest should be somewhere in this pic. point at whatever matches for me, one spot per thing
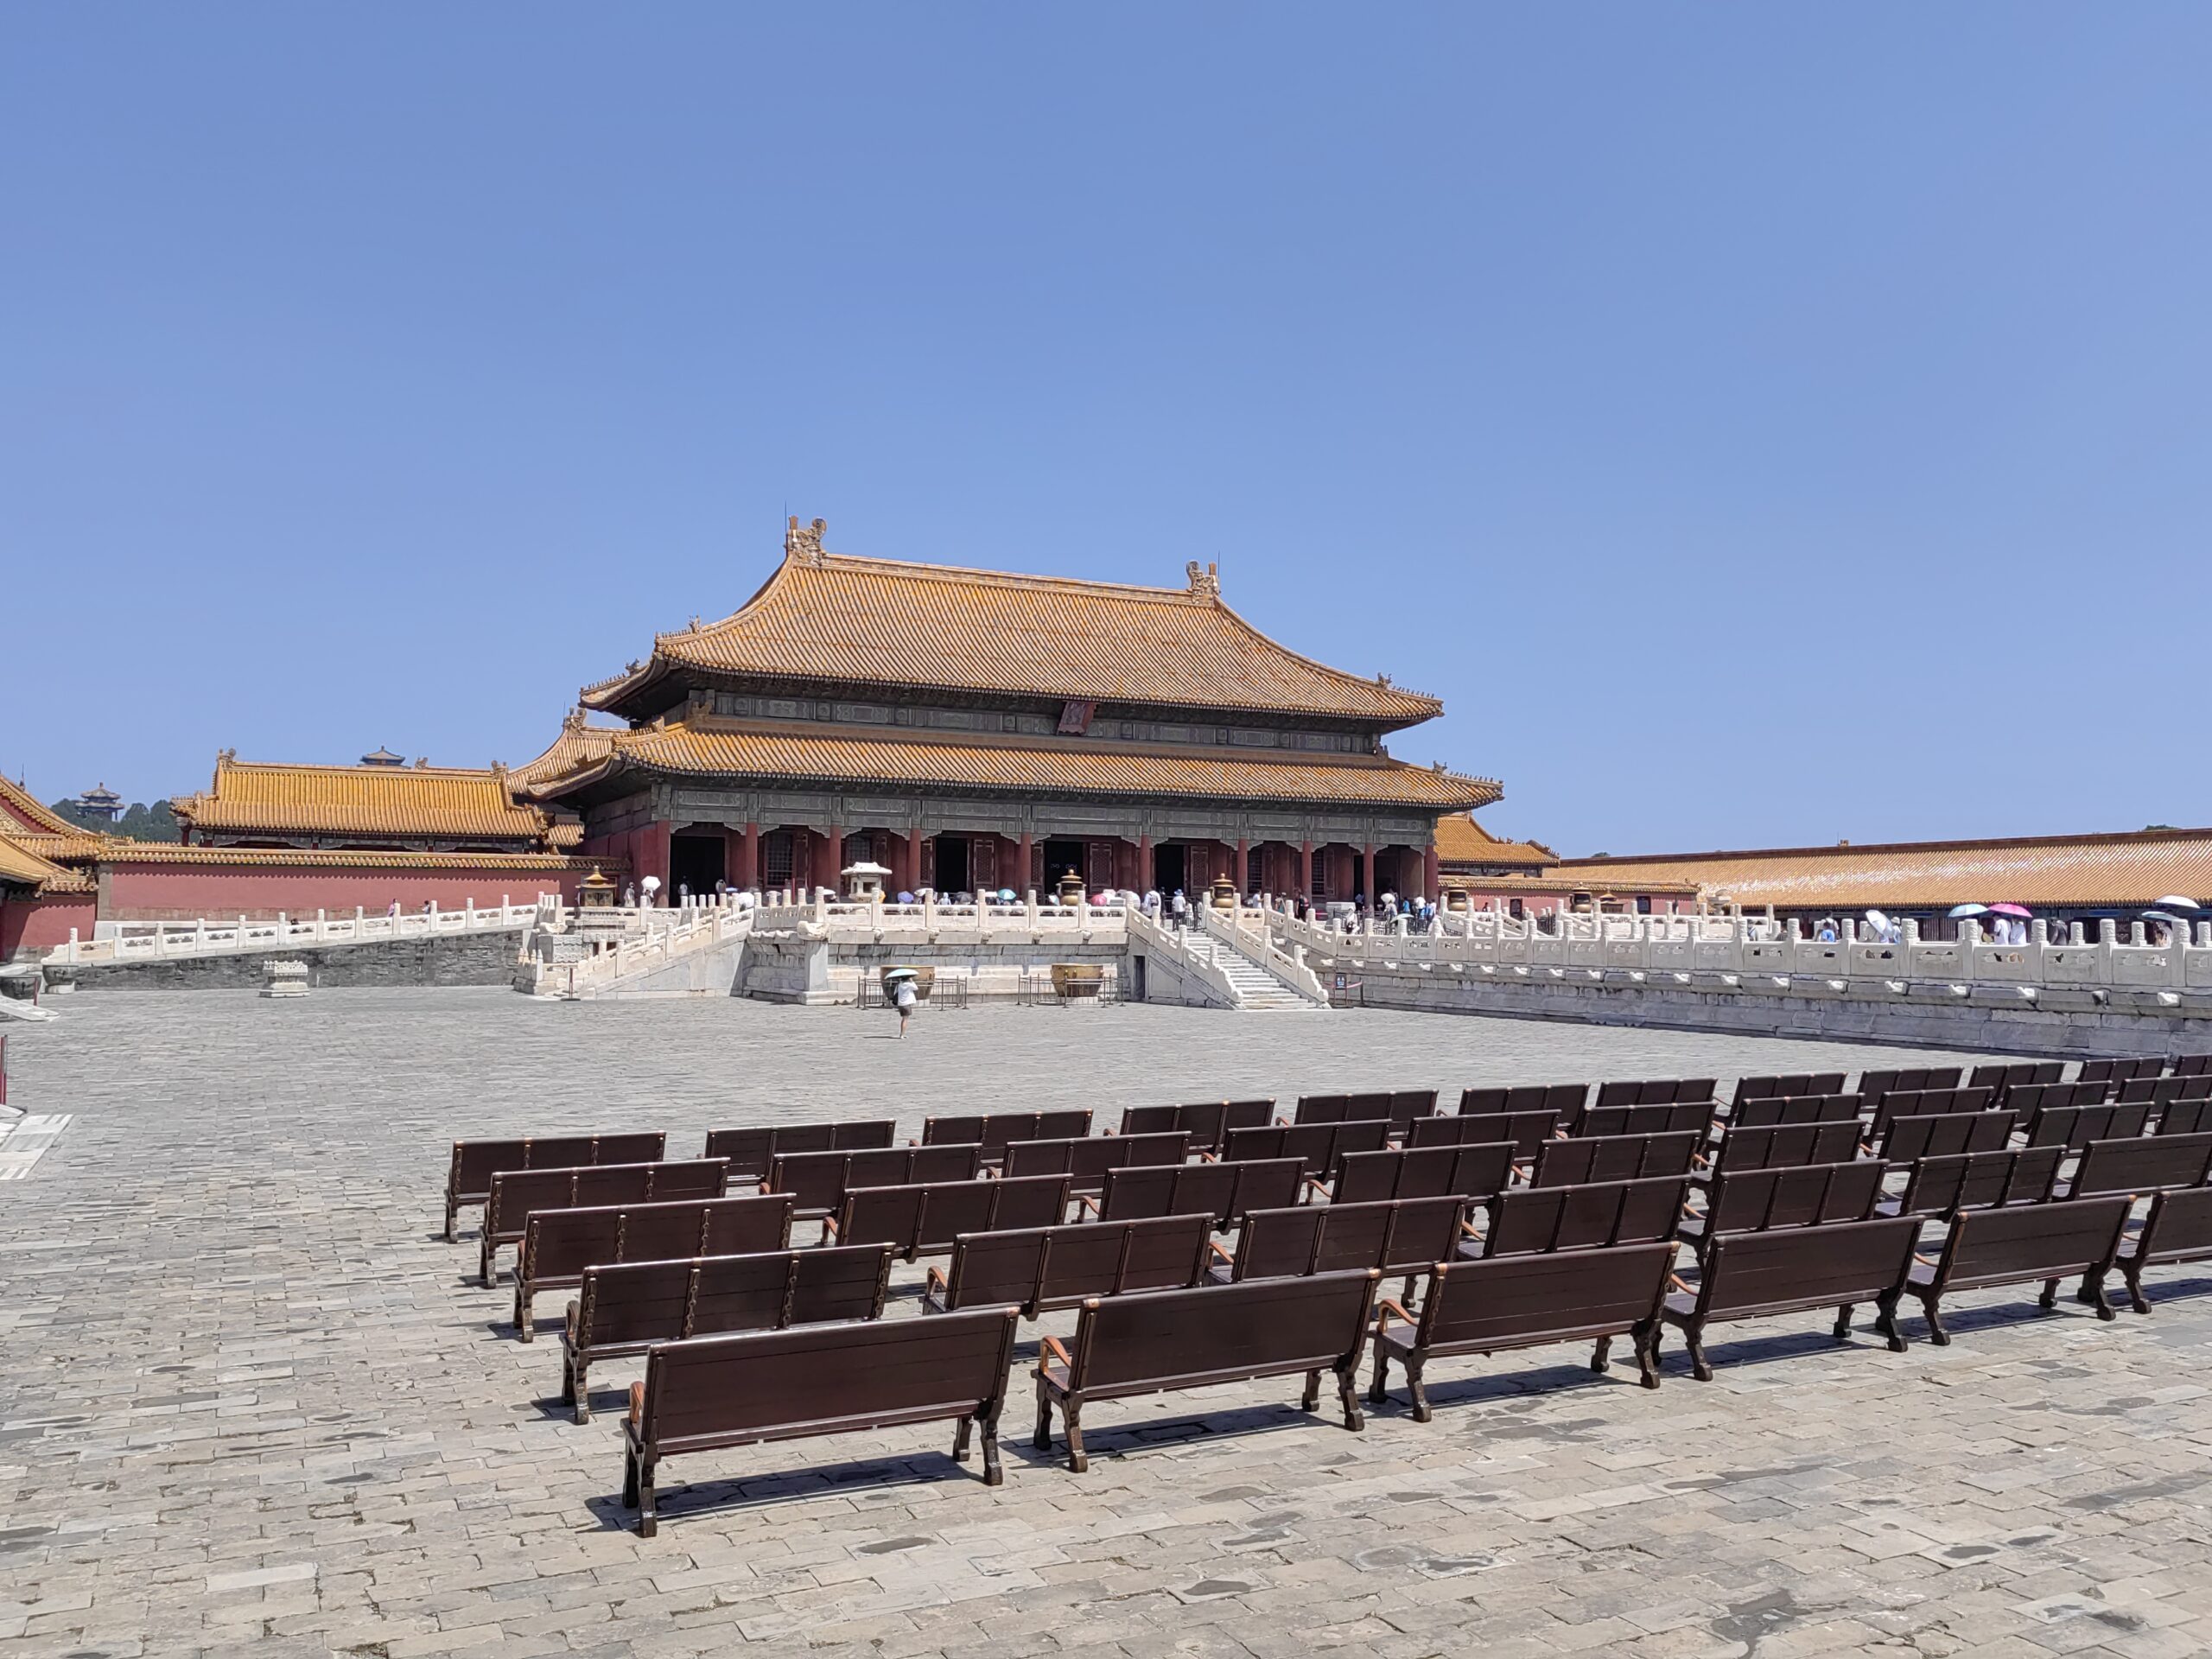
(638, 1402)
(1470, 1228)
(937, 1280)
(1675, 1281)
(1388, 1309)
(828, 1228)
(1085, 1201)
(1053, 1346)
(1315, 1183)
(1219, 1249)
(1209, 1157)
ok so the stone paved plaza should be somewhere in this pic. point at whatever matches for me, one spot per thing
(251, 1403)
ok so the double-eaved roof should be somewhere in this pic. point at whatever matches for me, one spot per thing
(923, 627)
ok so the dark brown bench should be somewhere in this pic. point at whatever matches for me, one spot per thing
(1040, 1269)
(1943, 1185)
(1944, 1135)
(1085, 1162)
(1198, 1339)
(1204, 1121)
(1789, 1269)
(623, 1309)
(996, 1131)
(818, 1181)
(751, 1150)
(557, 1245)
(1801, 1195)
(1526, 1131)
(1768, 1110)
(2141, 1164)
(924, 1218)
(2076, 1126)
(2190, 1065)
(1318, 1146)
(1658, 1091)
(2186, 1117)
(1564, 1099)
(713, 1392)
(1874, 1083)
(1527, 1218)
(1225, 1192)
(1496, 1303)
(1788, 1084)
(2160, 1092)
(468, 1177)
(1659, 1119)
(2178, 1228)
(1786, 1144)
(516, 1192)
(1463, 1171)
(1398, 1108)
(1615, 1158)
(1397, 1236)
(2120, 1070)
(2020, 1243)
(2010, 1073)
(1925, 1102)
(2025, 1102)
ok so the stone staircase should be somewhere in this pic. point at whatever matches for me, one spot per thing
(1256, 988)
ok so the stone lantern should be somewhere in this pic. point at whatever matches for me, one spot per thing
(864, 881)
(595, 892)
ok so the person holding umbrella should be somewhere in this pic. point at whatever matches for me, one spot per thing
(901, 984)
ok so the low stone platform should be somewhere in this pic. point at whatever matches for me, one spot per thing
(250, 1403)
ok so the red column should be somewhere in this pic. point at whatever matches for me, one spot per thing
(1366, 873)
(1242, 874)
(748, 857)
(833, 856)
(1024, 869)
(1144, 864)
(1432, 874)
(653, 858)
(1306, 869)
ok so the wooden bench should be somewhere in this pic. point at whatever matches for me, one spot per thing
(1496, 1303)
(1943, 1185)
(2186, 1117)
(751, 1150)
(1615, 1158)
(2076, 1126)
(1204, 1121)
(1525, 1131)
(1788, 1084)
(2190, 1065)
(818, 1181)
(1768, 1110)
(1039, 1269)
(2020, 1243)
(1802, 1195)
(1924, 1102)
(1789, 1269)
(996, 1131)
(1318, 1146)
(1875, 1083)
(1658, 1091)
(2141, 1164)
(2159, 1093)
(1785, 1145)
(1397, 1236)
(624, 1308)
(1225, 1192)
(557, 1245)
(2009, 1074)
(1199, 1338)
(1085, 1161)
(1944, 1135)
(1526, 1218)
(924, 1218)
(1662, 1119)
(2120, 1070)
(516, 1192)
(2178, 1228)
(1564, 1099)
(713, 1392)
(2025, 1102)
(1464, 1172)
(1397, 1108)
(468, 1177)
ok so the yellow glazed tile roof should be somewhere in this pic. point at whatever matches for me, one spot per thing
(428, 801)
(166, 852)
(24, 869)
(1076, 766)
(577, 744)
(2093, 871)
(830, 616)
(1460, 840)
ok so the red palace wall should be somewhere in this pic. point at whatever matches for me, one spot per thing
(175, 892)
(29, 925)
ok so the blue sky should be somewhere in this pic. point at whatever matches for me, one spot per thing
(1758, 425)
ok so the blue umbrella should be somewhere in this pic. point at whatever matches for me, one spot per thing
(1957, 911)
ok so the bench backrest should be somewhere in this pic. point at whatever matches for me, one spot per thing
(995, 1131)
(1041, 1267)
(2164, 1091)
(929, 1214)
(2031, 1241)
(1085, 1161)
(1398, 1236)
(2186, 1117)
(1644, 1120)
(1920, 1103)
(2190, 1065)
(1615, 1158)
(1318, 1146)
(1770, 1109)
(1874, 1083)
(2142, 1164)
(468, 1178)
(2007, 1074)
(515, 1193)
(2179, 1226)
(1204, 1121)
(1261, 1327)
(751, 1150)
(2076, 1126)
(1788, 1267)
(819, 1377)
(1788, 1084)
(1581, 1217)
(1525, 1131)
(562, 1243)
(818, 1181)
(1807, 1195)
(1222, 1192)
(1465, 1171)
(1558, 1296)
(1785, 1144)
(2120, 1070)
(1656, 1091)
(1565, 1098)
(669, 1300)
(1910, 1139)
(1940, 1185)
(2027, 1099)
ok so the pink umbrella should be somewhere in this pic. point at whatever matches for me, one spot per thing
(2021, 910)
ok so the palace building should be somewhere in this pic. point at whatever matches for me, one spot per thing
(971, 730)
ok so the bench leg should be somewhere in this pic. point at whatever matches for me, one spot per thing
(1377, 1389)
(993, 1475)
(1043, 1438)
(484, 1265)
(1602, 1355)
(522, 1299)
(1694, 1339)
(960, 1438)
(1348, 1392)
(452, 1211)
(629, 1478)
(1885, 1323)
(2048, 1299)
(1646, 1338)
(1937, 1334)
(1071, 1417)
(1311, 1400)
(1843, 1320)
(648, 1500)
(1414, 1390)
(2095, 1293)
(576, 1391)
(2086, 1291)
(2132, 1274)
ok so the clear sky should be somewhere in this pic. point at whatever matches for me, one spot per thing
(1760, 425)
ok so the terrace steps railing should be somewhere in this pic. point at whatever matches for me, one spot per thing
(131, 942)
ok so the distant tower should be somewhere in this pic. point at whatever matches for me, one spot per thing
(382, 758)
(100, 802)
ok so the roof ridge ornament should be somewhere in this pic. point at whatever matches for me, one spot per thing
(1205, 583)
(805, 545)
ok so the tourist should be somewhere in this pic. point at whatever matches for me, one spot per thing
(1181, 906)
(904, 998)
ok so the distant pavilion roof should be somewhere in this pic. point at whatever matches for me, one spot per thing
(439, 802)
(831, 616)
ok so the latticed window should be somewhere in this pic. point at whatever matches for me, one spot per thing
(776, 859)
